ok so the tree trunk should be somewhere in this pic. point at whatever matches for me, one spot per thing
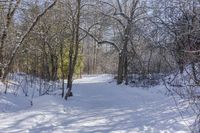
(120, 69)
(196, 80)
(73, 61)
(126, 69)
(1, 61)
(70, 73)
(94, 58)
(62, 69)
(123, 59)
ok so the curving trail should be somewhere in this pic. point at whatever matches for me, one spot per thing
(97, 107)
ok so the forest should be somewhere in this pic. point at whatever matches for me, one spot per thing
(121, 58)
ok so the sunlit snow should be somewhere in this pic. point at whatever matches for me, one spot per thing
(98, 106)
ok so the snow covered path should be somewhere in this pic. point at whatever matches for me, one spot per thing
(97, 107)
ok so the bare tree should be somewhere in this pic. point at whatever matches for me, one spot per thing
(74, 48)
(125, 15)
(10, 15)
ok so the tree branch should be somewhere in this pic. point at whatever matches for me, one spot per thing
(100, 42)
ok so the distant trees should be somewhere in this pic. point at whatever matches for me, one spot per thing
(51, 51)
(123, 16)
(18, 41)
(139, 37)
(8, 9)
(44, 42)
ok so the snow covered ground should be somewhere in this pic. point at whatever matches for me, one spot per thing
(98, 106)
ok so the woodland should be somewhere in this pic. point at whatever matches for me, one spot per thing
(141, 43)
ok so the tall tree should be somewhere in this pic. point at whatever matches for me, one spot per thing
(74, 48)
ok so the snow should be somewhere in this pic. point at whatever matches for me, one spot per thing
(98, 105)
